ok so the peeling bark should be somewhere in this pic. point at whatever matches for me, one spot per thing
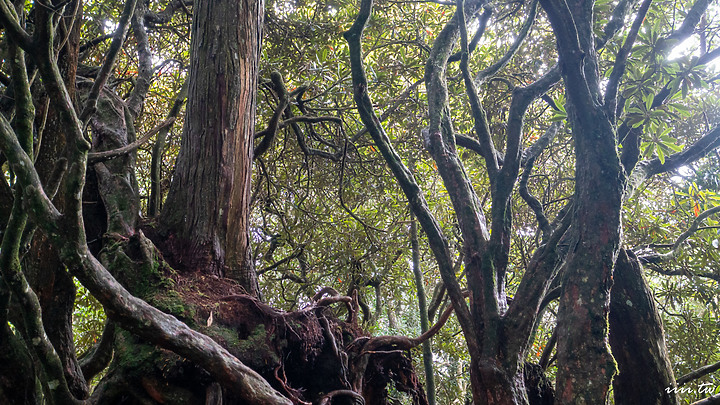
(205, 219)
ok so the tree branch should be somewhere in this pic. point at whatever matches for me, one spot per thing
(273, 125)
(404, 342)
(655, 258)
(617, 21)
(33, 332)
(106, 69)
(482, 129)
(683, 273)
(303, 119)
(280, 262)
(534, 293)
(651, 167)
(437, 240)
(398, 101)
(522, 98)
(711, 400)
(533, 202)
(155, 200)
(145, 70)
(482, 26)
(11, 24)
(695, 374)
(687, 27)
(99, 356)
(164, 16)
(621, 61)
(94, 42)
(36, 201)
(97, 157)
(505, 59)
(534, 150)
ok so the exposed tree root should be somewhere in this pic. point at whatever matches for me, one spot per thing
(310, 355)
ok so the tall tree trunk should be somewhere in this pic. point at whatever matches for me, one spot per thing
(637, 339)
(585, 364)
(206, 214)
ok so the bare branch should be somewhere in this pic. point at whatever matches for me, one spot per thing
(695, 374)
(534, 291)
(482, 25)
(166, 15)
(505, 59)
(22, 165)
(100, 354)
(145, 70)
(271, 131)
(534, 150)
(521, 99)
(155, 199)
(547, 350)
(617, 21)
(325, 290)
(687, 28)
(36, 339)
(533, 202)
(621, 61)
(106, 69)
(404, 342)
(307, 120)
(438, 242)
(711, 400)
(11, 24)
(482, 130)
(94, 42)
(398, 101)
(96, 157)
(280, 262)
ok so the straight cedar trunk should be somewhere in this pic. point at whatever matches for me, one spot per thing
(205, 219)
(637, 339)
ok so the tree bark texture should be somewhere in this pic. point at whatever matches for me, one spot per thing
(585, 364)
(206, 213)
(637, 339)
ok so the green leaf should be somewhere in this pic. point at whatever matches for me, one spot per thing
(648, 101)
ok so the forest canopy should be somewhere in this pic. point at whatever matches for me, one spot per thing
(367, 201)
